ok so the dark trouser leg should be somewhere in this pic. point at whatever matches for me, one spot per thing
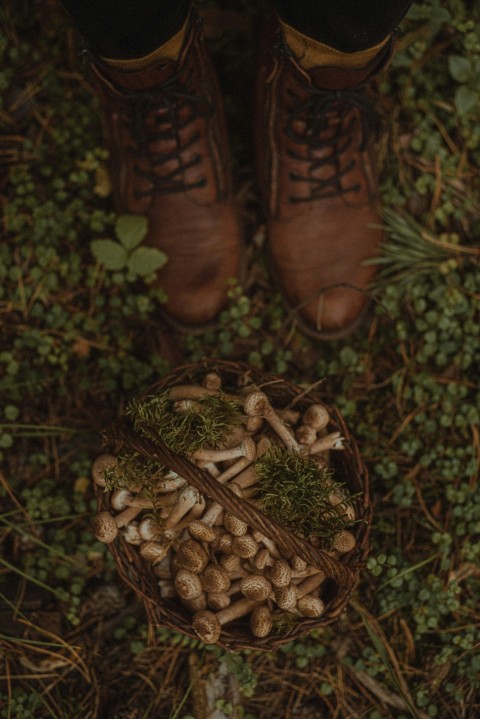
(126, 29)
(347, 25)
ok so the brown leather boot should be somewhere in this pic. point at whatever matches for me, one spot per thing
(168, 147)
(318, 176)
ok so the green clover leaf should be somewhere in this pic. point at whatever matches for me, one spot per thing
(131, 230)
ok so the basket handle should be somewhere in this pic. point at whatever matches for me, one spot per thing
(242, 508)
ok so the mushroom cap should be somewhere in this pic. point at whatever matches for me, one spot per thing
(230, 562)
(218, 601)
(206, 625)
(234, 525)
(310, 606)
(317, 416)
(149, 529)
(261, 559)
(201, 531)
(199, 604)
(280, 573)
(105, 527)
(256, 587)
(99, 467)
(344, 542)
(153, 551)
(298, 564)
(191, 555)
(188, 584)
(286, 597)
(261, 621)
(249, 448)
(244, 546)
(225, 543)
(215, 578)
(212, 381)
(131, 534)
(120, 499)
(306, 434)
(256, 403)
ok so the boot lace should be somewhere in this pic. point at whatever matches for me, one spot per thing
(329, 125)
(163, 114)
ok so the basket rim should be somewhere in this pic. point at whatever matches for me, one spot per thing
(346, 571)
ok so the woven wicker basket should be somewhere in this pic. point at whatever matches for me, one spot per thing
(343, 574)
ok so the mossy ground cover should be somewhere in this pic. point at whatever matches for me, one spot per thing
(81, 335)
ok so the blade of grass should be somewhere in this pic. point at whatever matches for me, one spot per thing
(384, 649)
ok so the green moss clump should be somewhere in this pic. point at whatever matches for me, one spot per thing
(204, 422)
(295, 492)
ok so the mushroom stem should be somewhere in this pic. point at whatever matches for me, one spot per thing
(208, 625)
(235, 470)
(188, 498)
(334, 440)
(257, 404)
(246, 448)
(310, 584)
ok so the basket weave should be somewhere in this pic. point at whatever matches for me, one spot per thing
(343, 574)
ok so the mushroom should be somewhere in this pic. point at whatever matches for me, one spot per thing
(215, 578)
(298, 564)
(236, 470)
(334, 440)
(268, 543)
(280, 573)
(290, 416)
(261, 621)
(150, 529)
(257, 404)
(191, 555)
(286, 597)
(256, 587)
(261, 559)
(199, 604)
(154, 552)
(123, 498)
(254, 424)
(100, 466)
(131, 534)
(188, 498)
(316, 416)
(223, 543)
(185, 391)
(311, 606)
(310, 584)
(211, 468)
(246, 448)
(305, 434)
(340, 500)
(231, 563)
(234, 525)
(106, 526)
(217, 601)
(344, 542)
(208, 626)
(188, 584)
(245, 546)
(212, 381)
(201, 531)
(170, 482)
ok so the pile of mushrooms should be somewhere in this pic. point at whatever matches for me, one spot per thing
(207, 558)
